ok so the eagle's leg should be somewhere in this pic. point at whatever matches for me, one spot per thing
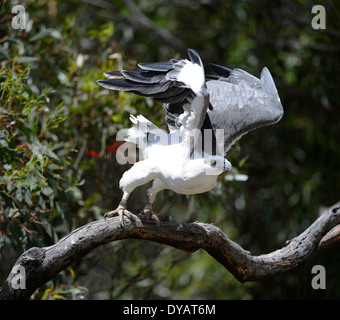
(157, 186)
(139, 174)
(121, 210)
(151, 214)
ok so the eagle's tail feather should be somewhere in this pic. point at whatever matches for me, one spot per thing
(144, 133)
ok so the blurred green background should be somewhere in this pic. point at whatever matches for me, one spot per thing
(58, 168)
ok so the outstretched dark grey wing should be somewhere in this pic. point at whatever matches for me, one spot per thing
(238, 101)
(157, 80)
(242, 102)
(149, 81)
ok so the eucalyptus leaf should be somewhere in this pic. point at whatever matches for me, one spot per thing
(25, 59)
(48, 32)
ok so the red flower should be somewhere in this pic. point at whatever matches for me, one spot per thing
(92, 153)
(112, 148)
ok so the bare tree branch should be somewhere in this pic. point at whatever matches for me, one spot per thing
(42, 264)
(138, 20)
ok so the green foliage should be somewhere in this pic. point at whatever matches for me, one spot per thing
(62, 292)
(37, 180)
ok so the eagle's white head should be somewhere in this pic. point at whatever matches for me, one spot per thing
(215, 165)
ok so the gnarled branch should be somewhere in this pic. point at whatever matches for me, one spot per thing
(42, 264)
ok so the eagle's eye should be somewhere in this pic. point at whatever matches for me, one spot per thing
(213, 163)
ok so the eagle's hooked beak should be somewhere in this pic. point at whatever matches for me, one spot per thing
(227, 166)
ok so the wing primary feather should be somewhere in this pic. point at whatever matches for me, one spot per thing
(221, 71)
(156, 66)
(135, 87)
(113, 75)
(194, 57)
(267, 81)
(117, 84)
(211, 77)
(143, 76)
(172, 99)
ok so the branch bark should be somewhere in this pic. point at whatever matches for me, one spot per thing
(42, 264)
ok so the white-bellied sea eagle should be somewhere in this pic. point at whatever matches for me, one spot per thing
(205, 115)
